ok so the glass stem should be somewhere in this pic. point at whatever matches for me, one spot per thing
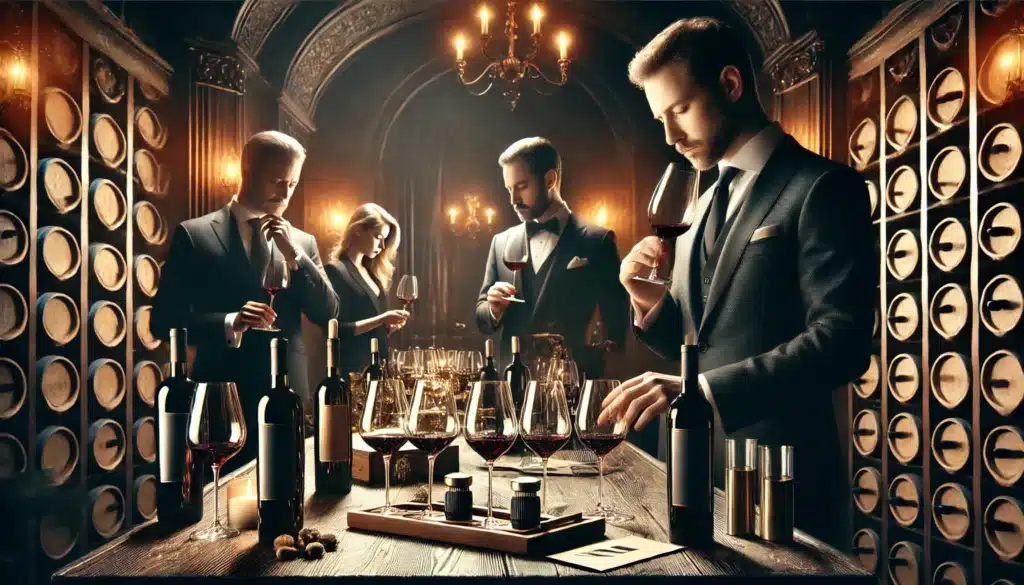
(216, 495)
(430, 484)
(544, 488)
(600, 482)
(387, 483)
(490, 471)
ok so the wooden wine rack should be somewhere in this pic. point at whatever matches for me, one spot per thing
(930, 387)
(78, 353)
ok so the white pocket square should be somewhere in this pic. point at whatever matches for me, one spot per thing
(765, 232)
(577, 262)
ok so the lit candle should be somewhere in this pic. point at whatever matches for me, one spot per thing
(490, 216)
(563, 45)
(460, 46)
(536, 14)
(243, 509)
(452, 212)
(485, 17)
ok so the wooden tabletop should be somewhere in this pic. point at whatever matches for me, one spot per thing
(637, 487)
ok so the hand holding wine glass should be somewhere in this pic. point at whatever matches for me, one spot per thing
(671, 212)
(408, 290)
(275, 279)
(515, 257)
(384, 426)
(491, 428)
(601, 438)
(216, 431)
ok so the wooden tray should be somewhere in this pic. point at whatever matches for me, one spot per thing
(555, 534)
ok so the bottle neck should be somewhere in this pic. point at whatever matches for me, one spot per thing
(690, 369)
(279, 370)
(179, 369)
(279, 381)
(375, 358)
(332, 358)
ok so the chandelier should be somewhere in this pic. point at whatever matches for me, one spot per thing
(470, 223)
(509, 69)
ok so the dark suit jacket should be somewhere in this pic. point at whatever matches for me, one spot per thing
(207, 276)
(566, 300)
(356, 302)
(788, 319)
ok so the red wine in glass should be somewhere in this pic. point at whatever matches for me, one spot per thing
(217, 453)
(491, 447)
(672, 210)
(275, 278)
(408, 290)
(385, 444)
(515, 265)
(602, 444)
(515, 257)
(430, 444)
(547, 445)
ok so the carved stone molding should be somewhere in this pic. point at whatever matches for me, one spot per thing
(256, 20)
(766, 21)
(218, 66)
(795, 62)
(901, 26)
(294, 121)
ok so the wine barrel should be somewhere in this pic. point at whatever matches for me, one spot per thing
(904, 377)
(147, 274)
(109, 323)
(904, 316)
(905, 499)
(950, 573)
(999, 232)
(947, 94)
(148, 378)
(108, 266)
(865, 549)
(901, 123)
(867, 428)
(13, 459)
(905, 559)
(13, 163)
(1004, 527)
(950, 379)
(947, 173)
(901, 190)
(947, 246)
(1001, 304)
(1000, 152)
(59, 316)
(107, 510)
(949, 310)
(1003, 452)
(143, 332)
(108, 81)
(59, 532)
(60, 182)
(867, 489)
(951, 510)
(151, 130)
(904, 437)
(58, 453)
(149, 92)
(147, 169)
(107, 380)
(1002, 381)
(108, 443)
(58, 382)
(109, 203)
(13, 313)
(109, 140)
(60, 251)
(145, 438)
(149, 223)
(13, 239)
(903, 254)
(62, 115)
(864, 143)
(13, 388)
(867, 384)
(872, 196)
(145, 496)
(951, 444)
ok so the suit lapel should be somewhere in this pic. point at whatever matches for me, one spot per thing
(559, 258)
(763, 194)
(357, 279)
(687, 265)
(226, 230)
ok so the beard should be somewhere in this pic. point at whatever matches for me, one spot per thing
(539, 207)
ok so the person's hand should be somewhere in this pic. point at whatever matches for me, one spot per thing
(644, 257)
(253, 314)
(275, 227)
(498, 297)
(394, 320)
(645, 396)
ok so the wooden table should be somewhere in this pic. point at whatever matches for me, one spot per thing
(639, 488)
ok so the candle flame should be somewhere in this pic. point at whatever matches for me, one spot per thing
(536, 13)
(460, 42)
(563, 44)
(490, 215)
(485, 14)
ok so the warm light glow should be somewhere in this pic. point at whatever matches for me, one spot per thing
(231, 172)
(485, 17)
(536, 15)
(460, 46)
(17, 72)
(337, 219)
(601, 217)
(1007, 61)
(490, 215)
(453, 212)
(563, 45)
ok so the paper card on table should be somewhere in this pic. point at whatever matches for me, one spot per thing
(612, 554)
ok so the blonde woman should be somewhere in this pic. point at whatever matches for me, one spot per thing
(360, 270)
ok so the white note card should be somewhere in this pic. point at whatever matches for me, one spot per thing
(612, 554)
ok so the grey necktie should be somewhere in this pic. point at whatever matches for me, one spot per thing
(257, 246)
(719, 207)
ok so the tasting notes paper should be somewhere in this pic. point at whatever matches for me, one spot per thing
(612, 554)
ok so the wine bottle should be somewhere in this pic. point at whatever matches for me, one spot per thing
(280, 462)
(518, 377)
(179, 491)
(374, 371)
(332, 419)
(689, 462)
(489, 373)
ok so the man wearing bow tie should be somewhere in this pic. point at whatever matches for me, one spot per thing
(571, 267)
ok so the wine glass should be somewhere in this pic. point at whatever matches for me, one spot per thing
(408, 290)
(275, 278)
(672, 210)
(433, 425)
(600, 438)
(546, 424)
(215, 430)
(491, 428)
(384, 427)
(515, 257)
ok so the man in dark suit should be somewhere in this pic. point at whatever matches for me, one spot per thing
(571, 267)
(775, 278)
(211, 282)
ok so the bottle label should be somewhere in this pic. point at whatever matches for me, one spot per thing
(691, 466)
(172, 446)
(335, 433)
(277, 455)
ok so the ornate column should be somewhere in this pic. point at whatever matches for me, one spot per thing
(215, 116)
(800, 77)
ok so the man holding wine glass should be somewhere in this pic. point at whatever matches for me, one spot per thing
(223, 267)
(548, 274)
(773, 282)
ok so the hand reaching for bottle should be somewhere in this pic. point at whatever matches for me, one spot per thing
(644, 396)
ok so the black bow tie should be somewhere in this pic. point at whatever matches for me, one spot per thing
(535, 227)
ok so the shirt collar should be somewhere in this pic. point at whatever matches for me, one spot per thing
(243, 213)
(753, 155)
(558, 209)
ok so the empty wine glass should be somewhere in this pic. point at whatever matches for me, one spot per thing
(546, 424)
(215, 430)
(408, 290)
(275, 278)
(515, 257)
(671, 211)
(384, 427)
(600, 438)
(491, 428)
(433, 425)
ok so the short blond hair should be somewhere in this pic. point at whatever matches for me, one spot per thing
(269, 145)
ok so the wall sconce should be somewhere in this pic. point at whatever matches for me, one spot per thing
(14, 73)
(231, 172)
(1012, 61)
(470, 224)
